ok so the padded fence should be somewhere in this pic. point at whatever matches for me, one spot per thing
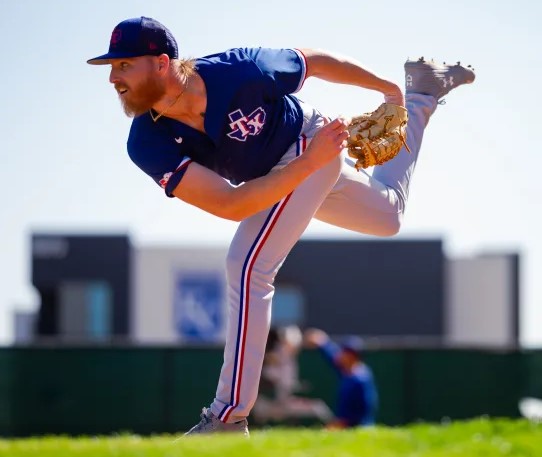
(103, 390)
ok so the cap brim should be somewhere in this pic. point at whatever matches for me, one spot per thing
(106, 58)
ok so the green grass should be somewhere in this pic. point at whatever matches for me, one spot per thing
(474, 438)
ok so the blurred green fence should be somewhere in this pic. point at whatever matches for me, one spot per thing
(102, 390)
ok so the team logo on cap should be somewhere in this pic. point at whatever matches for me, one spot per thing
(116, 36)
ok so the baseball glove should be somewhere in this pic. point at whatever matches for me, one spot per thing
(377, 137)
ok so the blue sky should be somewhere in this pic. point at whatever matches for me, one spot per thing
(63, 134)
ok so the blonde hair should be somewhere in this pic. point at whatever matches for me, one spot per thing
(183, 67)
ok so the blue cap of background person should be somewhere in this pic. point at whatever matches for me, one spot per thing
(351, 343)
(137, 37)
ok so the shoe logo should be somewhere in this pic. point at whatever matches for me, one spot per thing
(409, 80)
(450, 81)
(179, 140)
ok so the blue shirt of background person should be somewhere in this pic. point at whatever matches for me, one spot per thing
(357, 400)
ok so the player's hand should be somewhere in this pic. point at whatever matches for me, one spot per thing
(314, 337)
(328, 142)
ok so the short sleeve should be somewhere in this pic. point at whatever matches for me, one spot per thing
(158, 158)
(286, 68)
(171, 179)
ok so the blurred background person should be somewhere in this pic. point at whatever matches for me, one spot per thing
(357, 396)
(278, 399)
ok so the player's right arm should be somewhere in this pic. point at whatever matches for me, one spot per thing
(316, 338)
(340, 69)
(208, 191)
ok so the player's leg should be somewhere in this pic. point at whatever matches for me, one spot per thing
(258, 250)
(375, 204)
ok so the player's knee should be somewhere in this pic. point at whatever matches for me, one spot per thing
(262, 269)
(391, 225)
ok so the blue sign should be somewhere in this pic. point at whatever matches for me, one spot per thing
(198, 306)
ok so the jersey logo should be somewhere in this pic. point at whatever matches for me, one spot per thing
(242, 126)
(163, 182)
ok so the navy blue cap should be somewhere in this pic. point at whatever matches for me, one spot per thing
(137, 37)
(352, 343)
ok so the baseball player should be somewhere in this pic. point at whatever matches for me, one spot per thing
(357, 396)
(225, 133)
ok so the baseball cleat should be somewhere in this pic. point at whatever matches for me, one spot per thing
(209, 423)
(431, 78)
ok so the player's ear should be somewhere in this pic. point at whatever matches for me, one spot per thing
(163, 62)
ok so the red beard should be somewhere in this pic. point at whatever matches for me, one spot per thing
(140, 99)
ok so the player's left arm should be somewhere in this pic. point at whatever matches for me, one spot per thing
(341, 69)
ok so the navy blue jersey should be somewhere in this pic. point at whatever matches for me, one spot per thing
(251, 119)
(357, 398)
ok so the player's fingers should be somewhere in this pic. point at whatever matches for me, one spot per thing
(346, 120)
(336, 133)
(342, 139)
(344, 135)
(340, 123)
(335, 125)
(341, 132)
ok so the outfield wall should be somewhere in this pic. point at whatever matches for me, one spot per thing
(102, 390)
